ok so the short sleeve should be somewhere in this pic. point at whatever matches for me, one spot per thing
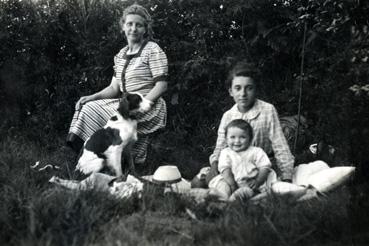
(119, 62)
(158, 64)
(224, 161)
(261, 159)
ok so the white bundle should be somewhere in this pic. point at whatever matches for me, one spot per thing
(313, 179)
(328, 179)
(304, 171)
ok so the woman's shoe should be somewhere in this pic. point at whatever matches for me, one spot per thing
(74, 142)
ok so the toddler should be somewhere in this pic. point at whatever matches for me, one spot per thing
(243, 168)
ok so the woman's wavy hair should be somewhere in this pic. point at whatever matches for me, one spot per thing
(136, 9)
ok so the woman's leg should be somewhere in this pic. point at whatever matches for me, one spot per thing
(74, 142)
(149, 123)
(92, 116)
(139, 150)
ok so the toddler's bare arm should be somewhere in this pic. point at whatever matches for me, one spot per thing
(229, 178)
(260, 178)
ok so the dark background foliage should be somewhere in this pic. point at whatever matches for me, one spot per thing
(52, 52)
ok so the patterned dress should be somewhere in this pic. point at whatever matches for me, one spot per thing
(137, 73)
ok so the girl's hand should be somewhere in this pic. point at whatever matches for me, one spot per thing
(83, 100)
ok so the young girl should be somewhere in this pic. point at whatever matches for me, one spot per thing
(243, 168)
(142, 67)
(263, 118)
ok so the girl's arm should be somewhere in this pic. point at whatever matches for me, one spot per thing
(284, 158)
(221, 143)
(110, 91)
(157, 91)
(229, 178)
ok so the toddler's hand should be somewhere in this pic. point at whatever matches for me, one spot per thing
(252, 184)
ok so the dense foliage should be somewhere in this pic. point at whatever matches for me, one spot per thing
(54, 51)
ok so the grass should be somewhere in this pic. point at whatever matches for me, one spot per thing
(34, 212)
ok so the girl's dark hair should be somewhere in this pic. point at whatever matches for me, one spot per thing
(243, 125)
(136, 9)
(243, 69)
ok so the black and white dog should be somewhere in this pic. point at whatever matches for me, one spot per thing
(105, 147)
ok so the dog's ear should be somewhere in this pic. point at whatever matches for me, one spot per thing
(123, 108)
(134, 101)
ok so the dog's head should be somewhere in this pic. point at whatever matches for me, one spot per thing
(132, 103)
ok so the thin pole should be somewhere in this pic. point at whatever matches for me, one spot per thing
(300, 89)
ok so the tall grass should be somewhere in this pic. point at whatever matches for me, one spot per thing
(34, 212)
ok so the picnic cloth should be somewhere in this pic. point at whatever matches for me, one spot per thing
(309, 180)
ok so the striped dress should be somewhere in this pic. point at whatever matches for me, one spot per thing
(138, 73)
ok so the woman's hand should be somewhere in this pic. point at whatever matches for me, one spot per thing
(111, 91)
(157, 91)
(83, 100)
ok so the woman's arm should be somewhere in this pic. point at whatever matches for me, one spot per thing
(157, 91)
(110, 91)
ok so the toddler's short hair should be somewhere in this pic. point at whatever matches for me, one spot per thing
(241, 124)
(243, 69)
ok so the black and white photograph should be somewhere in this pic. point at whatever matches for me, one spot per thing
(184, 122)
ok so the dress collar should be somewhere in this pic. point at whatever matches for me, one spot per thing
(125, 56)
(252, 113)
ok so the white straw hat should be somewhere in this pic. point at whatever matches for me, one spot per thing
(167, 174)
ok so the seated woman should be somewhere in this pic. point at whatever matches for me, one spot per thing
(142, 67)
(263, 118)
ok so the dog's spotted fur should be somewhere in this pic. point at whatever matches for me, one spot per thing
(105, 146)
(103, 138)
